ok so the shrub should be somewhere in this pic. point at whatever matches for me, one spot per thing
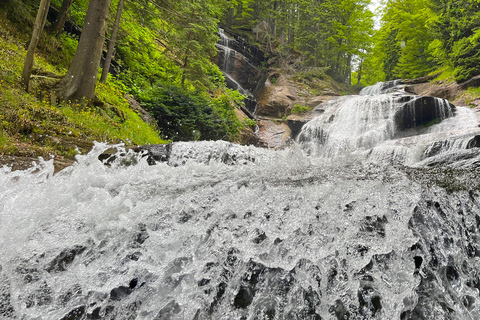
(191, 115)
(297, 109)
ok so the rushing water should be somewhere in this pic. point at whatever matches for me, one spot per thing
(221, 231)
(229, 66)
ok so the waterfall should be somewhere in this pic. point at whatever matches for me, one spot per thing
(215, 230)
(392, 126)
(381, 87)
(229, 58)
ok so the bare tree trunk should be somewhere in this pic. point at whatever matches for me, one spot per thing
(359, 73)
(62, 17)
(274, 32)
(111, 43)
(348, 70)
(291, 31)
(79, 82)
(37, 31)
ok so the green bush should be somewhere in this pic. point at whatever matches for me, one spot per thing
(466, 57)
(297, 109)
(184, 115)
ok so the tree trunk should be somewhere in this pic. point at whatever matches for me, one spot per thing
(291, 31)
(274, 32)
(348, 70)
(359, 73)
(37, 31)
(111, 43)
(62, 17)
(79, 82)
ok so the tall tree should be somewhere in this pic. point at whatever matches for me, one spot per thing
(456, 28)
(79, 82)
(111, 43)
(62, 16)
(37, 31)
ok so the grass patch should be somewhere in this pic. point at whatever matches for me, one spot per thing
(299, 109)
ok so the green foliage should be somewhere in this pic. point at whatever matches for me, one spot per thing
(299, 109)
(417, 37)
(328, 34)
(189, 115)
(31, 126)
(249, 123)
(311, 74)
(466, 57)
(70, 44)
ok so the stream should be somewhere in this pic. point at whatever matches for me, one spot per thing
(373, 214)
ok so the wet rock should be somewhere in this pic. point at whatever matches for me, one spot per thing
(312, 300)
(422, 111)
(474, 142)
(119, 293)
(155, 152)
(29, 273)
(169, 311)
(6, 308)
(273, 134)
(340, 311)
(95, 314)
(451, 274)
(276, 101)
(374, 225)
(248, 290)
(133, 283)
(296, 123)
(134, 255)
(369, 301)
(64, 259)
(468, 301)
(203, 282)
(72, 292)
(239, 59)
(260, 236)
(418, 261)
(75, 314)
(244, 297)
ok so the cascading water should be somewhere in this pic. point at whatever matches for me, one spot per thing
(220, 231)
(386, 123)
(227, 65)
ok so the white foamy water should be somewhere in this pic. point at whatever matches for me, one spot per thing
(276, 209)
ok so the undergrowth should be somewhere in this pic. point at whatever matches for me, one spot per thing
(31, 126)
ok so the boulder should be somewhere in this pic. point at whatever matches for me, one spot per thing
(276, 101)
(272, 134)
(422, 111)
